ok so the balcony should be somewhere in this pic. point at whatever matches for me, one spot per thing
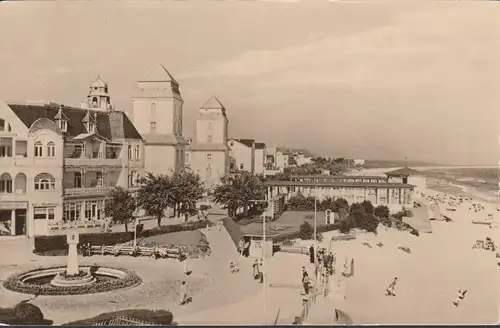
(96, 191)
(93, 162)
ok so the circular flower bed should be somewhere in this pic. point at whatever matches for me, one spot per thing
(37, 282)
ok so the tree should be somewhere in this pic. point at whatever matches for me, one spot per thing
(340, 203)
(382, 211)
(186, 189)
(155, 195)
(357, 208)
(238, 190)
(120, 206)
(368, 207)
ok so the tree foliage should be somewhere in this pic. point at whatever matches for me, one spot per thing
(120, 206)
(154, 195)
(382, 211)
(238, 190)
(179, 191)
(186, 189)
(368, 207)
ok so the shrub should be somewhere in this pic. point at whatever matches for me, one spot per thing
(382, 211)
(369, 223)
(346, 225)
(357, 208)
(157, 317)
(368, 207)
(57, 245)
(306, 231)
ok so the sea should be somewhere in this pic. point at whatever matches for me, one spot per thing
(479, 182)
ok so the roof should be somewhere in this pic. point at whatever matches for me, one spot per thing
(260, 145)
(338, 184)
(405, 171)
(337, 177)
(246, 142)
(163, 139)
(98, 83)
(212, 103)
(158, 73)
(110, 125)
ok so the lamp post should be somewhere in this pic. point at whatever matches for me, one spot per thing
(135, 214)
(264, 253)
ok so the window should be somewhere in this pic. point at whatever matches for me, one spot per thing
(129, 152)
(99, 179)
(5, 151)
(45, 181)
(5, 183)
(63, 125)
(187, 158)
(209, 138)
(50, 213)
(94, 101)
(209, 172)
(209, 158)
(153, 110)
(78, 180)
(38, 149)
(210, 128)
(51, 149)
(137, 152)
(241, 166)
(152, 127)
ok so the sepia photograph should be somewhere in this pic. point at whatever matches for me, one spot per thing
(273, 162)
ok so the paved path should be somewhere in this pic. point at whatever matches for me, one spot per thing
(211, 283)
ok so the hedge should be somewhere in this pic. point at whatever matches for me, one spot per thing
(15, 284)
(57, 245)
(295, 234)
(234, 230)
(158, 317)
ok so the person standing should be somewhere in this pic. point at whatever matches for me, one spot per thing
(311, 254)
(186, 217)
(255, 267)
(183, 295)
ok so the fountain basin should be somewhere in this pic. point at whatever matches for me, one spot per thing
(53, 281)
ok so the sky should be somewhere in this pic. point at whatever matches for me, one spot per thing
(361, 79)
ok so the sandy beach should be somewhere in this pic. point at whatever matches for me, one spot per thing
(440, 263)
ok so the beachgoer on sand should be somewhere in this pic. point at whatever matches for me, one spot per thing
(184, 295)
(233, 267)
(391, 290)
(187, 271)
(460, 297)
(255, 267)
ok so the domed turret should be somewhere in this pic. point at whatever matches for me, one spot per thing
(98, 97)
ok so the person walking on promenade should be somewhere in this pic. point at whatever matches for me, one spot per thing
(311, 254)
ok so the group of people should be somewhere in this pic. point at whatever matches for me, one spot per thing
(323, 260)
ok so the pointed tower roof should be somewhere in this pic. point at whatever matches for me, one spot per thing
(60, 115)
(213, 103)
(158, 73)
(98, 83)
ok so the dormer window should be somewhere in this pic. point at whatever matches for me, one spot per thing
(90, 127)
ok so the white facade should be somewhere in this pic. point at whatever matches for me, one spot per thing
(208, 154)
(57, 164)
(359, 162)
(260, 158)
(157, 115)
(243, 153)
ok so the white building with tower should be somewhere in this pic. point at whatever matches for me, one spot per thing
(58, 162)
(157, 115)
(209, 153)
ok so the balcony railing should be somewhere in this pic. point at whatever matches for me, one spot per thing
(86, 191)
(92, 162)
